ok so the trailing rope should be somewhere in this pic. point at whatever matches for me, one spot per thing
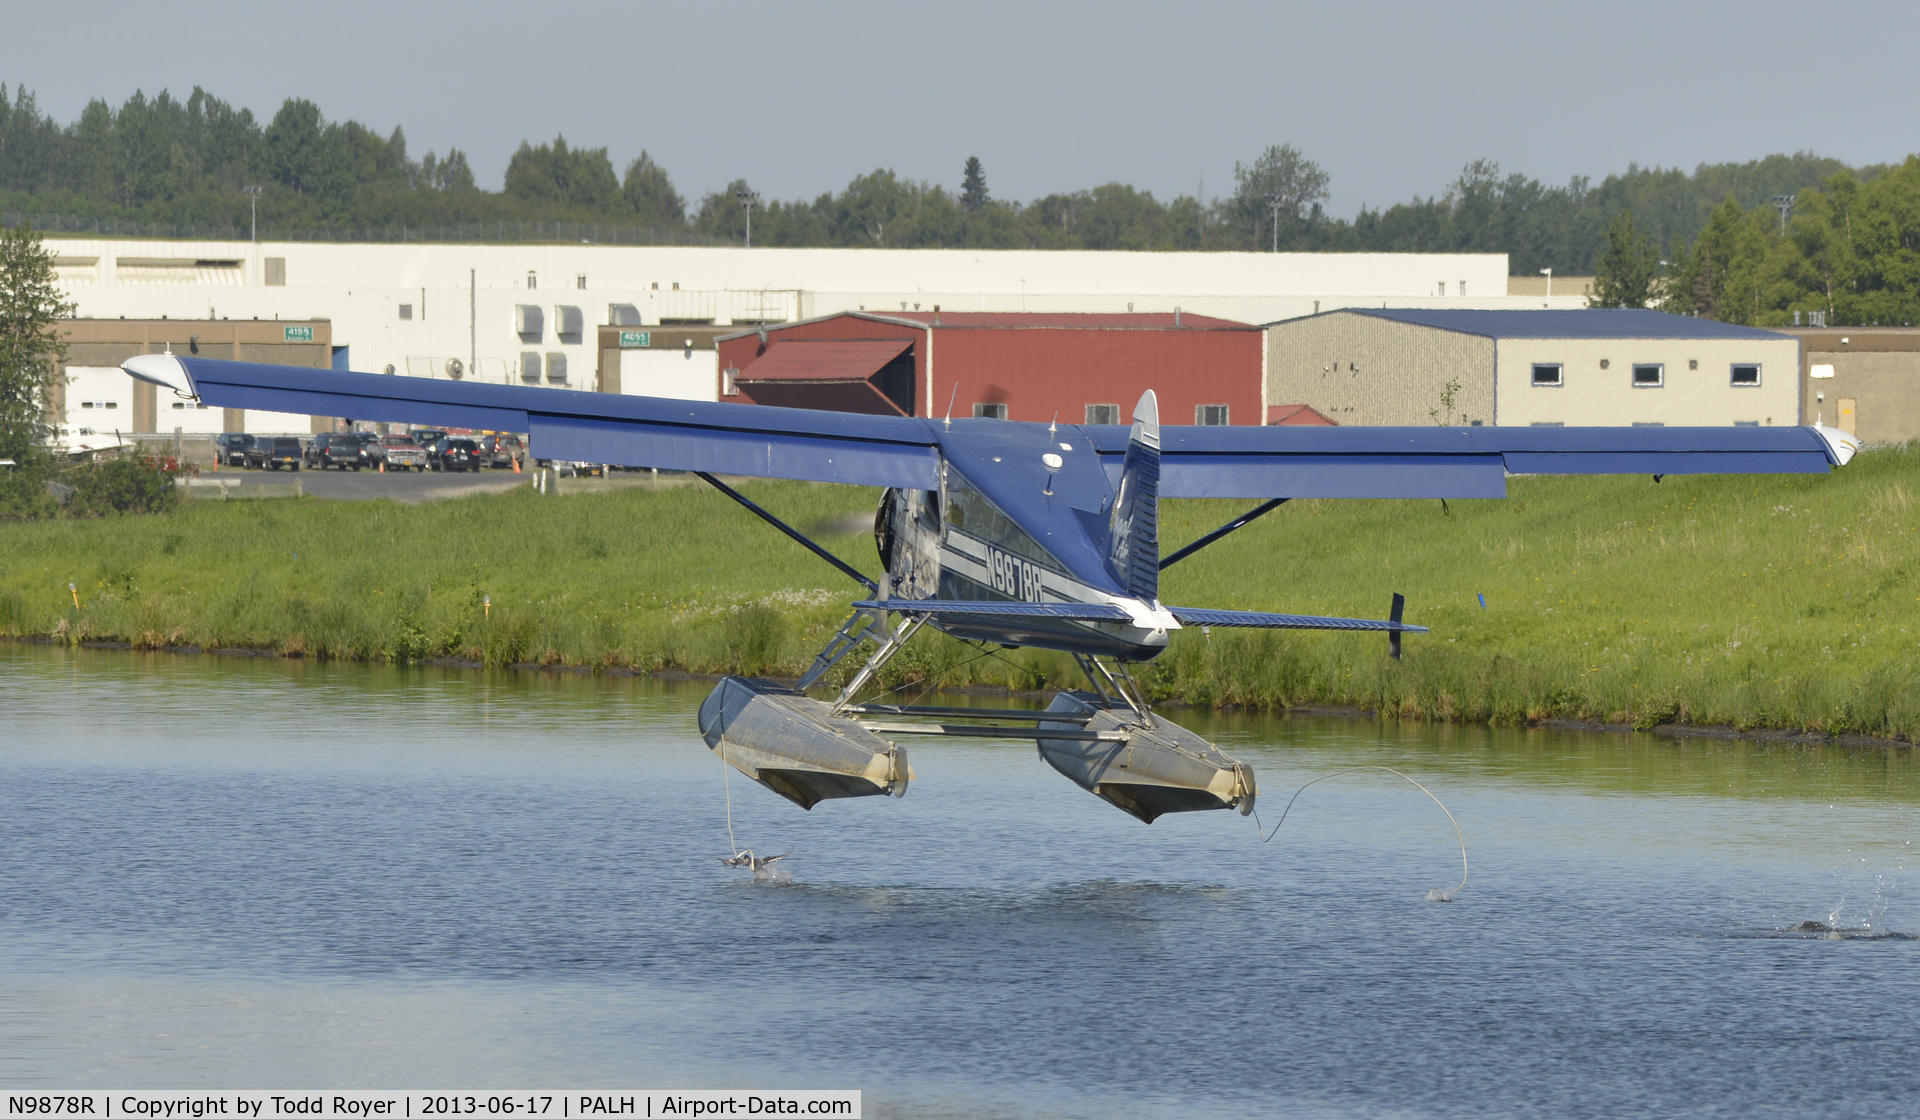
(1434, 895)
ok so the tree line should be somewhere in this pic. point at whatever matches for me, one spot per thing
(188, 163)
(1846, 251)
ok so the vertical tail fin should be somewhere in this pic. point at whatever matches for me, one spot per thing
(1135, 523)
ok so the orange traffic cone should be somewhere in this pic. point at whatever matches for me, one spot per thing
(383, 466)
(516, 466)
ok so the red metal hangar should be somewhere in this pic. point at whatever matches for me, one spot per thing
(1011, 366)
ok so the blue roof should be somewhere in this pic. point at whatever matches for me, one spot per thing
(1589, 323)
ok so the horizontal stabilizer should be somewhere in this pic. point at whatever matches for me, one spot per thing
(955, 608)
(1197, 616)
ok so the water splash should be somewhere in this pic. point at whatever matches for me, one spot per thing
(762, 867)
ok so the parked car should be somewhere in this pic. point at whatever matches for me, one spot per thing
(501, 450)
(274, 452)
(454, 454)
(427, 437)
(230, 448)
(337, 449)
(402, 453)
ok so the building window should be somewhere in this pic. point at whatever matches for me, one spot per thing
(729, 386)
(1546, 373)
(1443, 287)
(1746, 423)
(533, 280)
(1103, 414)
(1693, 363)
(580, 281)
(1746, 374)
(1210, 415)
(1649, 375)
(529, 365)
(406, 311)
(1603, 363)
(990, 411)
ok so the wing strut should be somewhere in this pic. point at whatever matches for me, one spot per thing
(1222, 531)
(788, 530)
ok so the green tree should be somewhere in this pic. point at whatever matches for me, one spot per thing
(973, 185)
(1282, 183)
(721, 213)
(31, 349)
(649, 194)
(1628, 271)
(294, 146)
(449, 174)
(577, 178)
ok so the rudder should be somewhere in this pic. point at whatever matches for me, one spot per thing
(1134, 526)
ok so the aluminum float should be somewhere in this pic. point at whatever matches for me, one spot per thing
(795, 745)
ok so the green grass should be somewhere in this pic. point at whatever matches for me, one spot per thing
(1786, 602)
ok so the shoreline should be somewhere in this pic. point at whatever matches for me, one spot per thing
(1663, 730)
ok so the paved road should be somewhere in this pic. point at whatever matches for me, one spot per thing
(409, 487)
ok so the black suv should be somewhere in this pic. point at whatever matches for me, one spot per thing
(453, 454)
(274, 452)
(231, 448)
(338, 449)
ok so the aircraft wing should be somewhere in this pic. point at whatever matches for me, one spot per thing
(1197, 462)
(737, 439)
(1444, 462)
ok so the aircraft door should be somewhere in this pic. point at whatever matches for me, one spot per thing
(915, 533)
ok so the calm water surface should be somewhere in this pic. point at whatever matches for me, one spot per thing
(268, 874)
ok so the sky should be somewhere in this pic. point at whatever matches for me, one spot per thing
(799, 98)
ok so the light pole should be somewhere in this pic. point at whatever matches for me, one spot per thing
(1784, 204)
(253, 204)
(1548, 273)
(1274, 199)
(747, 199)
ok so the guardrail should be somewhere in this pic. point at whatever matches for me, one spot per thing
(233, 489)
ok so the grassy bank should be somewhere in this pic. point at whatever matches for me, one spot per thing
(1776, 602)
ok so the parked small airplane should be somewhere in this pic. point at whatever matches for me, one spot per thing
(84, 443)
(1015, 533)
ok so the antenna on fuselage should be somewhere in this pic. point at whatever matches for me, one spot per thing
(1054, 427)
(950, 396)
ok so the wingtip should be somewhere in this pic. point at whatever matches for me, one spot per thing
(165, 370)
(1842, 446)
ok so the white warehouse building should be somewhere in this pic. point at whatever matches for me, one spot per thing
(529, 314)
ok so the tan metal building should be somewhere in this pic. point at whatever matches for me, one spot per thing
(1865, 380)
(1514, 368)
(94, 390)
(675, 360)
